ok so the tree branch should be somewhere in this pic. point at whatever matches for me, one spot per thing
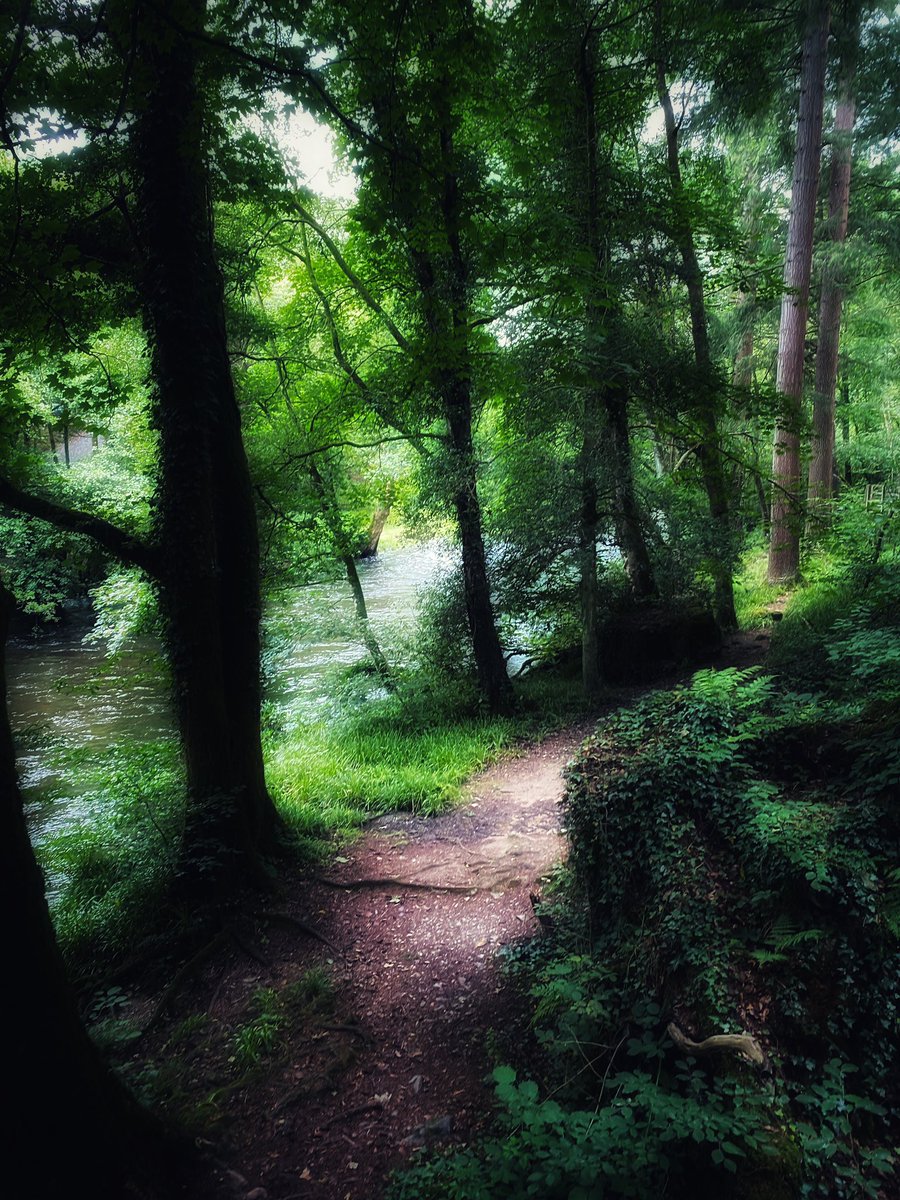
(117, 542)
(364, 294)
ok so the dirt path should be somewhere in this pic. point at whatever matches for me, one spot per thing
(403, 1057)
(418, 976)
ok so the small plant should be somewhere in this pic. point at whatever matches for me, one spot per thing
(260, 1037)
(312, 992)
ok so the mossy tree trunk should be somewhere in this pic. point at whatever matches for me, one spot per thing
(205, 518)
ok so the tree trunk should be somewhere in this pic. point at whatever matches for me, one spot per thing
(448, 318)
(845, 421)
(62, 1094)
(376, 529)
(441, 276)
(587, 560)
(629, 532)
(629, 528)
(490, 664)
(709, 453)
(332, 517)
(204, 512)
(784, 545)
(821, 463)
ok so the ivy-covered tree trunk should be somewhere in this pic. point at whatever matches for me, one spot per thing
(821, 463)
(609, 394)
(61, 1094)
(446, 304)
(784, 544)
(204, 510)
(709, 451)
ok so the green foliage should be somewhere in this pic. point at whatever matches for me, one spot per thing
(641, 1139)
(273, 1011)
(259, 1037)
(392, 755)
(313, 992)
(125, 606)
(108, 866)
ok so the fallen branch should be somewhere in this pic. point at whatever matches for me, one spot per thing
(740, 1043)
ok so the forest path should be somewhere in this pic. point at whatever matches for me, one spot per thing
(421, 1007)
(417, 973)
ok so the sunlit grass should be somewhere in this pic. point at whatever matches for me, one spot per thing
(412, 751)
(333, 778)
(752, 591)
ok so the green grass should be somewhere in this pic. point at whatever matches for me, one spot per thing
(411, 752)
(752, 591)
(334, 777)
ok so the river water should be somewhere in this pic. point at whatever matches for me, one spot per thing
(65, 693)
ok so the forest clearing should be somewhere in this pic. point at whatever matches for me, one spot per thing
(450, 598)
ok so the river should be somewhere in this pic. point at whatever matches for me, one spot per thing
(66, 693)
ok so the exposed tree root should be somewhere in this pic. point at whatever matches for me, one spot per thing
(740, 1043)
(205, 952)
(373, 1106)
(283, 918)
(250, 950)
(391, 881)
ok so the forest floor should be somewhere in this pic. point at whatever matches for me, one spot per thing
(319, 1066)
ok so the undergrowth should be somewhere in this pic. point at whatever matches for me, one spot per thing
(733, 869)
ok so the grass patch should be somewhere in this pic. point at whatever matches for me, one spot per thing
(412, 751)
(333, 777)
(752, 591)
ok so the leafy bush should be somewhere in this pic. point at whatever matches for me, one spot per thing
(733, 868)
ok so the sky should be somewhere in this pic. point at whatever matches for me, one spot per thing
(308, 149)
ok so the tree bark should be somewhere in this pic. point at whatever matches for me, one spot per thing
(589, 590)
(821, 463)
(608, 394)
(447, 316)
(204, 509)
(709, 453)
(784, 545)
(376, 529)
(490, 664)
